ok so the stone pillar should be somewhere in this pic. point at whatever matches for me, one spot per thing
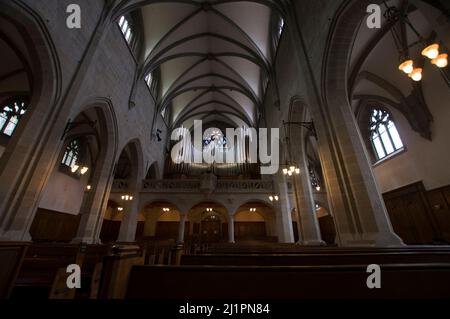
(283, 212)
(95, 203)
(181, 228)
(32, 153)
(355, 200)
(231, 229)
(127, 233)
(308, 223)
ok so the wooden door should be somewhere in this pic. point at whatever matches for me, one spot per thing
(210, 231)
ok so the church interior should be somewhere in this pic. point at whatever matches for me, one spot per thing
(106, 105)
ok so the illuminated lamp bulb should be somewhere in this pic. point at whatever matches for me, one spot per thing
(416, 75)
(431, 52)
(285, 171)
(318, 188)
(290, 173)
(276, 198)
(75, 168)
(407, 66)
(119, 209)
(292, 168)
(297, 171)
(271, 198)
(89, 187)
(84, 170)
(441, 61)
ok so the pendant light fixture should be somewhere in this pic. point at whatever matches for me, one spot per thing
(441, 61)
(430, 50)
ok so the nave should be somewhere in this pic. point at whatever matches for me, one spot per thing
(224, 149)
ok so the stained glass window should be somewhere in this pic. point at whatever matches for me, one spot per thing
(10, 116)
(125, 27)
(383, 134)
(72, 154)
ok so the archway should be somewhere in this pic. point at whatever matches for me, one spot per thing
(255, 222)
(153, 171)
(209, 223)
(29, 76)
(162, 220)
(326, 224)
(72, 179)
(129, 172)
(111, 222)
(353, 79)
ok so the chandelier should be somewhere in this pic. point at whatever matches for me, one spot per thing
(291, 170)
(430, 51)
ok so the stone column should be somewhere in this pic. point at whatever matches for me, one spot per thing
(355, 200)
(33, 151)
(95, 203)
(308, 223)
(127, 233)
(283, 212)
(181, 228)
(231, 229)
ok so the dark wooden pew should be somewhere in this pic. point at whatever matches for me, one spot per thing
(43, 261)
(92, 259)
(39, 269)
(11, 258)
(157, 252)
(299, 282)
(296, 249)
(324, 257)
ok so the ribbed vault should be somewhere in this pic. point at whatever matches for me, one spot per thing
(211, 61)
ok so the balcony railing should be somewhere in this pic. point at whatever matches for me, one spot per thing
(193, 186)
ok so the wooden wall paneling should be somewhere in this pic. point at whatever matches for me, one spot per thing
(250, 230)
(51, 226)
(439, 200)
(411, 215)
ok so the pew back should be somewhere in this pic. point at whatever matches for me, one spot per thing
(11, 257)
(299, 282)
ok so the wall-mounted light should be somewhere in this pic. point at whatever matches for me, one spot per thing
(166, 210)
(127, 198)
(89, 187)
(120, 209)
(209, 209)
(252, 210)
(77, 168)
(291, 170)
(274, 198)
(318, 188)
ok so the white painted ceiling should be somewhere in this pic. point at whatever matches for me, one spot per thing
(214, 58)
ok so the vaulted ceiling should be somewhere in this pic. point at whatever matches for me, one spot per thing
(212, 59)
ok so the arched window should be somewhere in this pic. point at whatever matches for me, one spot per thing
(72, 154)
(149, 80)
(126, 29)
(10, 116)
(383, 134)
(280, 27)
